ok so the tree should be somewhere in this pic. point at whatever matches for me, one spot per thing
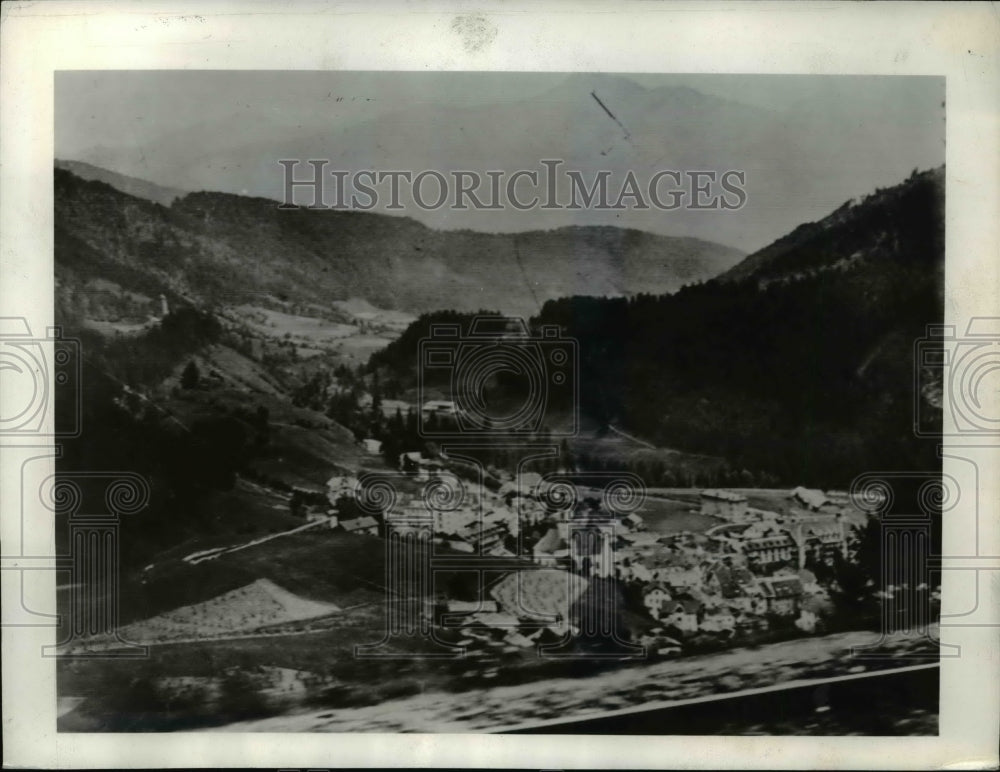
(566, 459)
(853, 582)
(261, 422)
(190, 377)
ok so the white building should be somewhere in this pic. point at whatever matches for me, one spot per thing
(373, 447)
(724, 504)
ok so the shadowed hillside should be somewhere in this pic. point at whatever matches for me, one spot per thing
(798, 363)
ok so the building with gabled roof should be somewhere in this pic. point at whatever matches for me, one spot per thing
(718, 621)
(634, 521)
(439, 407)
(724, 504)
(340, 486)
(683, 613)
(781, 594)
(471, 606)
(372, 446)
(360, 525)
(774, 548)
(811, 498)
(839, 498)
(818, 537)
(484, 535)
(679, 578)
(728, 581)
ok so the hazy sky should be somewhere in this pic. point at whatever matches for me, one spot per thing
(806, 143)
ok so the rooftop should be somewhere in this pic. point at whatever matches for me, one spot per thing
(546, 591)
(780, 587)
(358, 523)
(721, 495)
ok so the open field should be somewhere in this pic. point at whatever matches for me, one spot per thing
(318, 564)
(361, 309)
(666, 516)
(237, 370)
(276, 324)
(358, 348)
(370, 329)
(257, 605)
(116, 328)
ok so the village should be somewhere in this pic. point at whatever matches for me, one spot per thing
(541, 551)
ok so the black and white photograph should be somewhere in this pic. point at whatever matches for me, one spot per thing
(482, 401)
(579, 447)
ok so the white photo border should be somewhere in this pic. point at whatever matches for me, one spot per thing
(957, 40)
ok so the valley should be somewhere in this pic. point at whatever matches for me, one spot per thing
(262, 370)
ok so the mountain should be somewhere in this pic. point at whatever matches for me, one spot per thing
(796, 366)
(798, 362)
(226, 130)
(900, 220)
(216, 248)
(131, 185)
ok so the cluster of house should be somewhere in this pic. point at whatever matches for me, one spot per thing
(481, 520)
(722, 597)
(743, 576)
(322, 506)
(439, 408)
(525, 610)
(740, 575)
(473, 520)
(418, 465)
(815, 527)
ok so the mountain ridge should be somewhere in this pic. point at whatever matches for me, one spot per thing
(798, 369)
(133, 186)
(220, 247)
(859, 217)
(448, 121)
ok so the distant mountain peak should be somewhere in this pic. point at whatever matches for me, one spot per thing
(133, 186)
